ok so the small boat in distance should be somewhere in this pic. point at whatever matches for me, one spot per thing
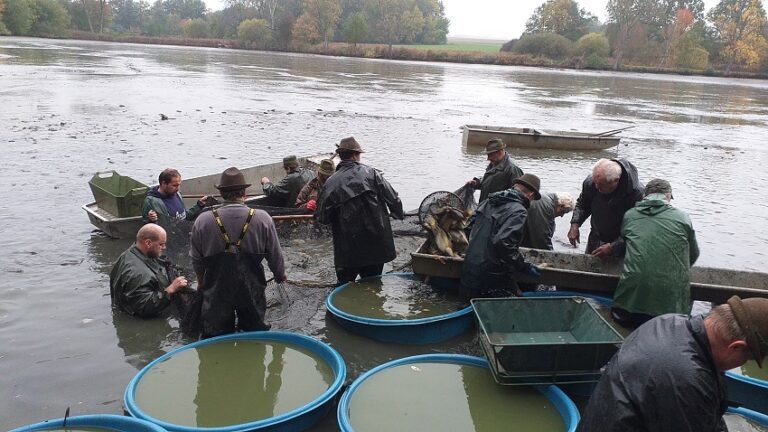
(477, 135)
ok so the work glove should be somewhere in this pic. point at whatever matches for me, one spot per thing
(533, 271)
(312, 205)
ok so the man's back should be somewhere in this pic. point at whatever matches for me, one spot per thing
(660, 249)
(540, 223)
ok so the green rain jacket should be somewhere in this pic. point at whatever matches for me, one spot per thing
(540, 224)
(137, 284)
(660, 250)
(284, 193)
(498, 177)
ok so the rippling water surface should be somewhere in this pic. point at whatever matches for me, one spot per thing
(69, 109)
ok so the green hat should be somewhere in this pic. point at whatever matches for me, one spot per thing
(327, 167)
(531, 182)
(752, 316)
(348, 144)
(290, 161)
(231, 180)
(494, 145)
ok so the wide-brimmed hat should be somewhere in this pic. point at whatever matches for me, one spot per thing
(290, 161)
(531, 182)
(327, 167)
(231, 180)
(349, 144)
(494, 145)
(752, 316)
(658, 186)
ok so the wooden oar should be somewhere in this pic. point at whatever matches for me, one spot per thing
(611, 132)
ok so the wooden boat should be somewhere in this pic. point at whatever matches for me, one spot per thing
(196, 187)
(477, 135)
(585, 273)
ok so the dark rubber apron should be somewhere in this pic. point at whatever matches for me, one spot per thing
(233, 288)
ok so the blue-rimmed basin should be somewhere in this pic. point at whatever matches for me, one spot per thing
(288, 419)
(420, 395)
(750, 393)
(405, 331)
(105, 422)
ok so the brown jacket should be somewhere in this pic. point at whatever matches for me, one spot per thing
(308, 192)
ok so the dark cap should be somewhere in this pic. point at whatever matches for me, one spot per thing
(231, 180)
(290, 161)
(752, 316)
(327, 167)
(531, 182)
(348, 144)
(658, 186)
(494, 145)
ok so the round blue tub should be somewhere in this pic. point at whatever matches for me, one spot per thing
(295, 420)
(113, 422)
(414, 331)
(564, 405)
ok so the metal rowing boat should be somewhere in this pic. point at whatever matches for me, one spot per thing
(478, 135)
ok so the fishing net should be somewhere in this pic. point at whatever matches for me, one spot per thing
(467, 195)
(434, 201)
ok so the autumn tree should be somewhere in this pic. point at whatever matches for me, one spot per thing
(387, 18)
(254, 32)
(3, 29)
(128, 15)
(304, 31)
(50, 18)
(624, 17)
(18, 16)
(683, 22)
(195, 28)
(563, 17)
(741, 27)
(323, 15)
(355, 28)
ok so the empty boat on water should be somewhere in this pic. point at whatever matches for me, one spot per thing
(529, 138)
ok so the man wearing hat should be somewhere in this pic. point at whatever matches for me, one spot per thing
(660, 250)
(284, 193)
(497, 229)
(228, 245)
(668, 374)
(307, 198)
(612, 189)
(500, 172)
(357, 202)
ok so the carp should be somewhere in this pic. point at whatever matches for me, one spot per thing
(440, 238)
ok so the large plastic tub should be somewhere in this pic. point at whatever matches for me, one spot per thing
(119, 195)
(557, 340)
(107, 422)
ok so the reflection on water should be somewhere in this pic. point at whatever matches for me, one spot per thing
(396, 298)
(445, 396)
(232, 382)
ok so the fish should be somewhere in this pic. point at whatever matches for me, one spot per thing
(458, 240)
(440, 238)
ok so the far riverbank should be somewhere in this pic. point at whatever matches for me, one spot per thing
(465, 53)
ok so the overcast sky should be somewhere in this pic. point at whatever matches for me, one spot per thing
(494, 19)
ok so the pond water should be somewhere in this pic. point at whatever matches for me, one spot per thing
(70, 108)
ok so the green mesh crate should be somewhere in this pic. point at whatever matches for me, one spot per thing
(554, 340)
(119, 195)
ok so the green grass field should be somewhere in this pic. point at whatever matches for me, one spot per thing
(461, 45)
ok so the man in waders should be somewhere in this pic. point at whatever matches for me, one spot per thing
(668, 375)
(228, 245)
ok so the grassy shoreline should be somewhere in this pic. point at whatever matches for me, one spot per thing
(456, 51)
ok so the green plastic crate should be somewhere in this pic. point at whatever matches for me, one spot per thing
(555, 340)
(119, 195)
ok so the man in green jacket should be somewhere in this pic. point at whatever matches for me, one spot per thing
(140, 283)
(164, 203)
(499, 174)
(284, 193)
(660, 250)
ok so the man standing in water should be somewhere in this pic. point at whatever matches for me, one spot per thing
(228, 245)
(284, 193)
(499, 174)
(611, 190)
(140, 283)
(164, 203)
(660, 250)
(354, 201)
(493, 251)
(668, 374)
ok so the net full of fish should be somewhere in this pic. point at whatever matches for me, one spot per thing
(445, 227)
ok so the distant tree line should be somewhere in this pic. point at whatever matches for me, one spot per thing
(656, 33)
(258, 23)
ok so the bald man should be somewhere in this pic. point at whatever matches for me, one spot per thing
(140, 283)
